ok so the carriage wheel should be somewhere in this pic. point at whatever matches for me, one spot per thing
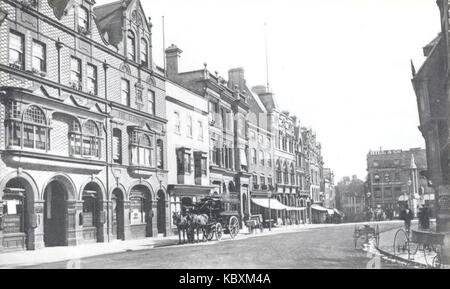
(401, 243)
(437, 260)
(219, 231)
(233, 227)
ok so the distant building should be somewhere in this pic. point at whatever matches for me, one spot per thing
(350, 199)
(394, 179)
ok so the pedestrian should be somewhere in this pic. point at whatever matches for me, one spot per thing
(425, 217)
(407, 215)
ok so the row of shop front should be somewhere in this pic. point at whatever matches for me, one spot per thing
(58, 216)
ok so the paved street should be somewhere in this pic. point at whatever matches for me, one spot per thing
(330, 247)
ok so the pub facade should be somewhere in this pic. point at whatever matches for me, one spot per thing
(83, 154)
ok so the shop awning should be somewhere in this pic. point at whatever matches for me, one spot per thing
(190, 190)
(337, 212)
(264, 202)
(274, 204)
(319, 208)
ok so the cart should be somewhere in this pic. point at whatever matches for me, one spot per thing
(223, 219)
(362, 235)
(255, 222)
(429, 244)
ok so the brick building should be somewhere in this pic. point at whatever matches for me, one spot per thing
(431, 84)
(394, 178)
(187, 147)
(83, 141)
(228, 129)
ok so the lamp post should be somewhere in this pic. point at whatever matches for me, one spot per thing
(409, 193)
(270, 211)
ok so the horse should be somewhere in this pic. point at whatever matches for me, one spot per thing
(197, 223)
(182, 226)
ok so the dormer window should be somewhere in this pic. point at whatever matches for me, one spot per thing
(131, 46)
(144, 52)
(83, 20)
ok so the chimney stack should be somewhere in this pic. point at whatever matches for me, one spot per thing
(236, 78)
(172, 55)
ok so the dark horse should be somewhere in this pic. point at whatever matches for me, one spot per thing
(182, 226)
(197, 223)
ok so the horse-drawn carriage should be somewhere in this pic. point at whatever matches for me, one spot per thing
(222, 218)
(213, 216)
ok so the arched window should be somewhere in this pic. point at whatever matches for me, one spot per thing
(142, 149)
(75, 138)
(91, 139)
(144, 52)
(286, 173)
(32, 123)
(279, 174)
(131, 46)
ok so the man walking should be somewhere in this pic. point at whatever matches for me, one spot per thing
(407, 215)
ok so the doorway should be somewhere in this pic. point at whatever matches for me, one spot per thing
(55, 215)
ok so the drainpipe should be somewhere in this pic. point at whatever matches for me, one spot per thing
(105, 68)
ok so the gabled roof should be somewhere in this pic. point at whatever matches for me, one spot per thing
(109, 18)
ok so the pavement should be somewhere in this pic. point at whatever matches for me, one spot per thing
(301, 246)
(416, 258)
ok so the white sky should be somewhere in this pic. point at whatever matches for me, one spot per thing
(342, 66)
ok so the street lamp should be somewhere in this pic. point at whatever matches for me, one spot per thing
(270, 211)
(409, 193)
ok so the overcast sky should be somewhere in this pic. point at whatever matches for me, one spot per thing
(342, 66)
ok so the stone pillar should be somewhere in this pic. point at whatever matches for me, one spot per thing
(103, 235)
(38, 230)
(168, 217)
(107, 226)
(74, 226)
(126, 220)
(154, 219)
(443, 219)
(1, 226)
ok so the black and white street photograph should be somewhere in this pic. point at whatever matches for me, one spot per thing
(233, 135)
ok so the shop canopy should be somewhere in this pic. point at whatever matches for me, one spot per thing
(319, 208)
(274, 204)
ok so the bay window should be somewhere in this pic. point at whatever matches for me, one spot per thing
(75, 138)
(29, 130)
(142, 149)
(91, 139)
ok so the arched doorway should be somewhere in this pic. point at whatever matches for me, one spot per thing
(117, 214)
(141, 214)
(19, 220)
(55, 214)
(161, 212)
(93, 214)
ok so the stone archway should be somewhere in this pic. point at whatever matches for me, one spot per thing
(55, 214)
(17, 204)
(141, 212)
(94, 215)
(117, 214)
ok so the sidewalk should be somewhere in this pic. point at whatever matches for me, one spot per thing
(58, 254)
(416, 259)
